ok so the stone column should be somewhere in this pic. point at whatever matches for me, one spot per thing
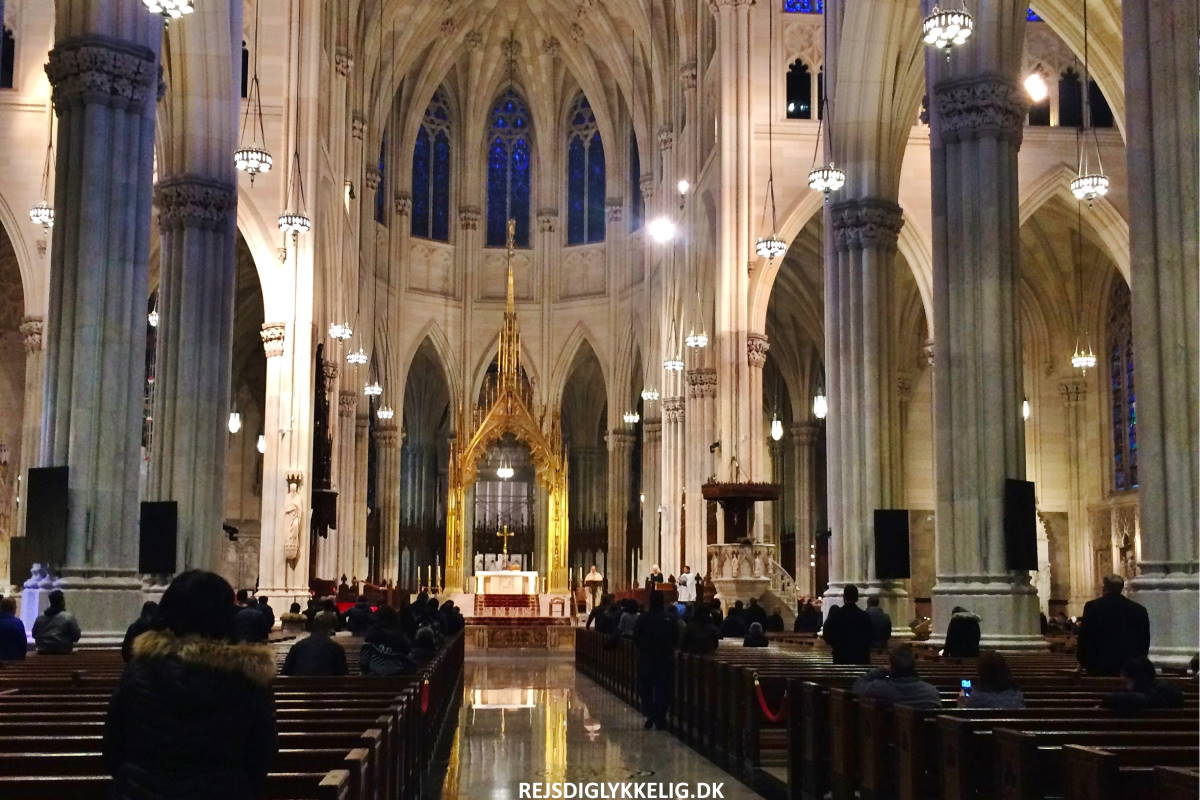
(103, 71)
(31, 333)
(651, 455)
(674, 443)
(620, 451)
(701, 432)
(387, 490)
(977, 110)
(755, 447)
(1161, 90)
(362, 447)
(197, 227)
(773, 513)
(1074, 394)
(865, 468)
(346, 481)
(804, 436)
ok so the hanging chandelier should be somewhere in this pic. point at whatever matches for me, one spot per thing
(372, 389)
(820, 405)
(504, 472)
(1090, 186)
(696, 340)
(294, 220)
(295, 223)
(1084, 359)
(776, 428)
(235, 422)
(261, 444)
(662, 229)
(826, 179)
(650, 395)
(152, 318)
(169, 9)
(43, 213)
(341, 331)
(829, 177)
(252, 157)
(631, 417)
(946, 30)
(1035, 87)
(673, 364)
(357, 357)
(385, 413)
(1026, 411)
(770, 247)
(1089, 183)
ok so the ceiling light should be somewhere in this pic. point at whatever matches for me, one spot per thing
(946, 30)
(1025, 409)
(1036, 88)
(673, 364)
(776, 429)
(696, 340)
(357, 357)
(42, 214)
(770, 247)
(504, 472)
(152, 318)
(340, 331)
(826, 179)
(169, 9)
(1089, 187)
(385, 412)
(650, 394)
(820, 406)
(252, 160)
(683, 186)
(631, 417)
(261, 444)
(662, 229)
(1083, 360)
(235, 422)
(373, 389)
(294, 223)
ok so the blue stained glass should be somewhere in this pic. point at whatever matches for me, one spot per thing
(1123, 398)
(497, 206)
(595, 200)
(509, 178)
(521, 190)
(441, 188)
(637, 206)
(1032, 17)
(804, 6)
(381, 189)
(420, 184)
(576, 187)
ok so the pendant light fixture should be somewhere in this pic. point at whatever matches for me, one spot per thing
(43, 213)
(650, 395)
(385, 412)
(340, 331)
(294, 220)
(776, 428)
(1090, 181)
(504, 472)
(252, 157)
(820, 404)
(235, 422)
(1026, 411)
(1083, 358)
(169, 9)
(261, 444)
(827, 178)
(662, 227)
(771, 246)
(945, 30)
(631, 417)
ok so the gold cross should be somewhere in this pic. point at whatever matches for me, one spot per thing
(506, 534)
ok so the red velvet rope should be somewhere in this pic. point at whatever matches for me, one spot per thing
(425, 697)
(762, 703)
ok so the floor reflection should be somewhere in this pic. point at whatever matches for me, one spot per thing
(533, 718)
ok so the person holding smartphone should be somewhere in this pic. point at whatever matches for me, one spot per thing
(993, 686)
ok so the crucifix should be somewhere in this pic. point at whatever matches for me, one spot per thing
(506, 534)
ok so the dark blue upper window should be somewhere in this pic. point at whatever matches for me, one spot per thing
(804, 6)
(1121, 389)
(381, 189)
(585, 176)
(8, 54)
(637, 203)
(431, 172)
(1032, 17)
(509, 169)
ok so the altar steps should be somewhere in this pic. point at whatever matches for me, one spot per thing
(507, 605)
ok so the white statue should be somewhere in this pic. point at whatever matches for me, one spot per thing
(291, 521)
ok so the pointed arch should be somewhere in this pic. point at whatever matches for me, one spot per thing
(432, 333)
(1104, 221)
(510, 147)
(579, 338)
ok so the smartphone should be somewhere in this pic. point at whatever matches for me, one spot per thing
(966, 687)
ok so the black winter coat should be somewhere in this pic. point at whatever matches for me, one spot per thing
(191, 719)
(962, 636)
(1114, 630)
(847, 630)
(316, 654)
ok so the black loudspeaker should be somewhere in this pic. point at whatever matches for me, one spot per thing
(156, 547)
(324, 510)
(46, 517)
(1020, 525)
(891, 543)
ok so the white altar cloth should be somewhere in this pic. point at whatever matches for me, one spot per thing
(506, 582)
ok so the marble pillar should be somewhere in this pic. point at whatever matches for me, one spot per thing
(701, 404)
(755, 448)
(620, 453)
(362, 446)
(197, 230)
(864, 413)
(103, 71)
(977, 113)
(674, 452)
(1161, 90)
(346, 481)
(31, 334)
(1073, 391)
(651, 506)
(387, 490)
(804, 437)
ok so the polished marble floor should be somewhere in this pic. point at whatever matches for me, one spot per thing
(530, 717)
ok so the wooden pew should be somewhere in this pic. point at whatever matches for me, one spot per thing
(1113, 773)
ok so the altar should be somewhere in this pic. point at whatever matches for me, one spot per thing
(506, 582)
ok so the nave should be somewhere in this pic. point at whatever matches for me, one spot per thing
(529, 716)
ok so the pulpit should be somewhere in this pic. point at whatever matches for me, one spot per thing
(506, 582)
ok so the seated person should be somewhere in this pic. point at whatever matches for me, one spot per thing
(358, 617)
(993, 686)
(774, 623)
(13, 643)
(55, 631)
(962, 635)
(900, 684)
(424, 647)
(700, 635)
(293, 621)
(755, 636)
(385, 650)
(1143, 689)
(316, 654)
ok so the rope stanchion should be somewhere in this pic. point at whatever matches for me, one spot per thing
(771, 716)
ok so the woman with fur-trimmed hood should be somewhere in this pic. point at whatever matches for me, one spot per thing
(193, 715)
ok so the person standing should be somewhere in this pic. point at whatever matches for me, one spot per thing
(13, 643)
(654, 578)
(55, 631)
(264, 606)
(250, 624)
(685, 585)
(594, 583)
(193, 715)
(137, 628)
(1114, 630)
(316, 654)
(655, 636)
(881, 624)
(962, 634)
(848, 630)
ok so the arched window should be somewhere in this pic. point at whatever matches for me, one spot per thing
(804, 6)
(245, 70)
(799, 91)
(637, 203)
(821, 92)
(8, 54)
(585, 175)
(381, 189)
(1070, 99)
(1121, 392)
(509, 175)
(1102, 115)
(431, 172)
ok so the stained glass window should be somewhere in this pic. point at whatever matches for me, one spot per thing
(8, 53)
(799, 91)
(1102, 115)
(509, 169)
(245, 70)
(431, 172)
(804, 6)
(1032, 17)
(381, 189)
(1070, 99)
(637, 203)
(585, 175)
(1121, 388)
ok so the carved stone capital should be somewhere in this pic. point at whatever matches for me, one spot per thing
(468, 217)
(294, 480)
(715, 6)
(982, 105)
(651, 429)
(473, 40)
(347, 403)
(613, 208)
(373, 178)
(31, 333)
(804, 434)
(187, 201)
(674, 409)
(358, 125)
(757, 346)
(403, 202)
(619, 441)
(702, 382)
(927, 351)
(343, 61)
(273, 334)
(864, 224)
(1072, 392)
(387, 434)
(551, 47)
(666, 138)
(646, 184)
(547, 219)
(97, 69)
(687, 75)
